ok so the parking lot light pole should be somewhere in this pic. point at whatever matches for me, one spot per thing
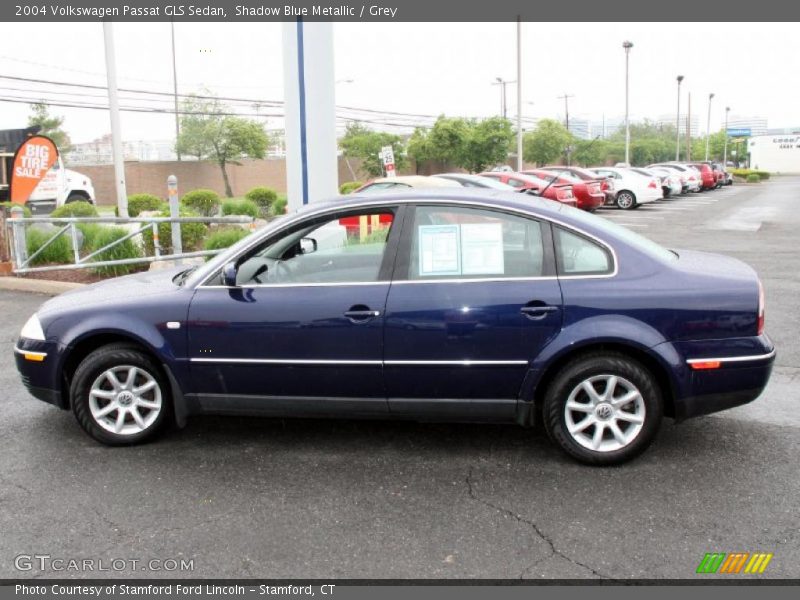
(725, 151)
(708, 123)
(627, 46)
(678, 122)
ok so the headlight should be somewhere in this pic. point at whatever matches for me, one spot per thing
(32, 329)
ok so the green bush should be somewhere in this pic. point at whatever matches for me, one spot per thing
(90, 231)
(202, 202)
(264, 197)
(762, 174)
(349, 187)
(60, 251)
(123, 250)
(279, 206)
(240, 207)
(192, 234)
(77, 209)
(753, 178)
(137, 203)
(223, 238)
(26, 212)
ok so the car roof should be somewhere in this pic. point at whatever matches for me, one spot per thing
(419, 181)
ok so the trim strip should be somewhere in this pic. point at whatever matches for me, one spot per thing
(751, 357)
(18, 350)
(391, 363)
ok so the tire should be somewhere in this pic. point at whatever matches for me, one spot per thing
(597, 369)
(92, 391)
(626, 200)
(75, 197)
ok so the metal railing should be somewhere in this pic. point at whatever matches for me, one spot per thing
(69, 227)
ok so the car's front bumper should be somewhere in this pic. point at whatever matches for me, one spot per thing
(36, 363)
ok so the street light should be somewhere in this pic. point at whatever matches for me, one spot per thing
(725, 151)
(708, 124)
(627, 45)
(678, 122)
(502, 83)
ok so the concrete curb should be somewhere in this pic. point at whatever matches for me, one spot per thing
(38, 286)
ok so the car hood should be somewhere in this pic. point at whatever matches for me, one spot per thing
(115, 291)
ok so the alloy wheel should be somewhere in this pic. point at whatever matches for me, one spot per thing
(125, 400)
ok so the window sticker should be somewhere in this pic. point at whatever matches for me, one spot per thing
(439, 250)
(482, 249)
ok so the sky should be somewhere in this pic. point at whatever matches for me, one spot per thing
(425, 68)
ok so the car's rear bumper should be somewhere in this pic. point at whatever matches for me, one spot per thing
(591, 201)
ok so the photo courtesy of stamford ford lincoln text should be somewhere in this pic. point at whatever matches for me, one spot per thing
(399, 299)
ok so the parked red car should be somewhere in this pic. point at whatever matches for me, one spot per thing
(589, 194)
(557, 192)
(707, 175)
(606, 184)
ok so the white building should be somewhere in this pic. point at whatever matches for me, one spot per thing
(756, 125)
(580, 128)
(669, 120)
(775, 153)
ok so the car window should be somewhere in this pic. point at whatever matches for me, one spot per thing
(467, 243)
(382, 186)
(578, 255)
(347, 249)
(515, 182)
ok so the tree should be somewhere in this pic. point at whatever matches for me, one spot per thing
(546, 143)
(361, 142)
(207, 132)
(488, 143)
(49, 126)
(590, 153)
(419, 146)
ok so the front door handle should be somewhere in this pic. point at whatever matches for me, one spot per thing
(536, 313)
(361, 314)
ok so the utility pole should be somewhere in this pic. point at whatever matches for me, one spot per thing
(519, 92)
(689, 129)
(627, 46)
(566, 98)
(175, 89)
(113, 109)
(708, 123)
(678, 122)
(725, 151)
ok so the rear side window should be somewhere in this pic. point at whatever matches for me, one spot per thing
(466, 243)
(579, 255)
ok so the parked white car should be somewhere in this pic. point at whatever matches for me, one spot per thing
(670, 180)
(633, 189)
(691, 176)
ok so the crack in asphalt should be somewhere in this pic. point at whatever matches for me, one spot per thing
(554, 551)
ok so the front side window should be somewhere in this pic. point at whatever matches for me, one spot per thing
(578, 255)
(346, 249)
(466, 243)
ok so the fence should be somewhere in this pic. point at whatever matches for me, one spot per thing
(17, 242)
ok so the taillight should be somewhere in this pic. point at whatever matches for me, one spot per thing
(652, 184)
(760, 329)
(691, 177)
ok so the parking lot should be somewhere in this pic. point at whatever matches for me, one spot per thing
(340, 499)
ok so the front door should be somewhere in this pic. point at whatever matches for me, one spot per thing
(302, 331)
(473, 301)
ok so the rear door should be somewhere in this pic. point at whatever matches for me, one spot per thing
(473, 300)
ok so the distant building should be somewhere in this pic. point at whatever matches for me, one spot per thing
(669, 121)
(580, 128)
(756, 125)
(784, 131)
(775, 153)
(607, 127)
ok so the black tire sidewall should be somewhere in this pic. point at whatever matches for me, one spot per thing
(601, 364)
(90, 368)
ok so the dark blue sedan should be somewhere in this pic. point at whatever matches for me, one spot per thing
(449, 305)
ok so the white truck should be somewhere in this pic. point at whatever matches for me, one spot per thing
(57, 188)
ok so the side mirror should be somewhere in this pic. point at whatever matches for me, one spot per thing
(229, 274)
(308, 245)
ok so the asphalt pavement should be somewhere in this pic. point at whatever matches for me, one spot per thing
(268, 498)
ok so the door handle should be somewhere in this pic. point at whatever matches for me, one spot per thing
(361, 314)
(536, 313)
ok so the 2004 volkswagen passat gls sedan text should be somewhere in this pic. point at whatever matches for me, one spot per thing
(450, 305)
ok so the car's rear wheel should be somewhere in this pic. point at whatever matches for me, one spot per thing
(626, 200)
(603, 409)
(119, 395)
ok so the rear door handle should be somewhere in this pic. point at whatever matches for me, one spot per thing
(537, 312)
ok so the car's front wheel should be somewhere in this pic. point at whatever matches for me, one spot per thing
(603, 409)
(626, 200)
(119, 396)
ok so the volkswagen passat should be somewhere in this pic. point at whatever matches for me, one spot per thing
(450, 305)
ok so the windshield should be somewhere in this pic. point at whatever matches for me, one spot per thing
(624, 234)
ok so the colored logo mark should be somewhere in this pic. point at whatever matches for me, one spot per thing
(734, 563)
